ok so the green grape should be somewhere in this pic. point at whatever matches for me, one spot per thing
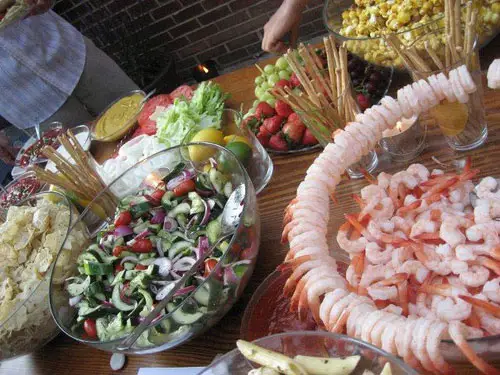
(269, 69)
(282, 63)
(259, 80)
(284, 74)
(259, 92)
(271, 102)
(267, 96)
(272, 79)
(265, 86)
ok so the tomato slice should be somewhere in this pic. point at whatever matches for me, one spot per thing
(118, 268)
(157, 194)
(141, 267)
(209, 266)
(124, 218)
(90, 328)
(117, 250)
(142, 245)
(184, 187)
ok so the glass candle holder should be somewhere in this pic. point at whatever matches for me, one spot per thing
(405, 141)
(463, 124)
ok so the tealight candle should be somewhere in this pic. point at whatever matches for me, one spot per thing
(406, 140)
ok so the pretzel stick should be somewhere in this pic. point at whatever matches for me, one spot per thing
(458, 25)
(324, 86)
(447, 32)
(468, 15)
(433, 56)
(331, 68)
(297, 68)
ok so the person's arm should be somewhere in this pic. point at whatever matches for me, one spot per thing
(286, 18)
(39, 6)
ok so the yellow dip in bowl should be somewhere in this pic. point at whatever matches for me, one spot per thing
(119, 117)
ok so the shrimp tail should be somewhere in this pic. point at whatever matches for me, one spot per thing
(455, 330)
(482, 305)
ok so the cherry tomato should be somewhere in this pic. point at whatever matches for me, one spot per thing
(142, 245)
(117, 250)
(157, 194)
(209, 266)
(124, 218)
(183, 188)
(119, 268)
(141, 267)
(89, 328)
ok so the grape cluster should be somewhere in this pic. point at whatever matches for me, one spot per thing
(370, 82)
(272, 74)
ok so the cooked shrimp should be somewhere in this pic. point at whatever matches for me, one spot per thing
(437, 332)
(475, 276)
(330, 299)
(491, 289)
(376, 255)
(423, 226)
(346, 244)
(418, 343)
(415, 267)
(316, 287)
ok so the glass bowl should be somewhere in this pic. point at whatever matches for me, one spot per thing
(53, 128)
(316, 344)
(374, 49)
(259, 166)
(12, 195)
(169, 330)
(122, 126)
(19, 332)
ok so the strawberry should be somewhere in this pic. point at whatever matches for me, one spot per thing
(263, 138)
(294, 117)
(277, 142)
(273, 124)
(264, 110)
(363, 101)
(294, 80)
(293, 131)
(308, 139)
(282, 83)
(264, 131)
(282, 108)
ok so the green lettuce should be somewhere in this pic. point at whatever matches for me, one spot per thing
(188, 117)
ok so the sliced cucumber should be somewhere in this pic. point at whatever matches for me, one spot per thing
(117, 301)
(177, 247)
(209, 294)
(182, 317)
(182, 208)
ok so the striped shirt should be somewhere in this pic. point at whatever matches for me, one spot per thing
(41, 62)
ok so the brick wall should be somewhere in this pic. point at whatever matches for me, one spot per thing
(230, 32)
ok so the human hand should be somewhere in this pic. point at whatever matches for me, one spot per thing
(39, 6)
(7, 152)
(287, 18)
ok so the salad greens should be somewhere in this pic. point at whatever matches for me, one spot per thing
(156, 236)
(202, 111)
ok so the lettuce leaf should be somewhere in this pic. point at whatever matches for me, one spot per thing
(188, 117)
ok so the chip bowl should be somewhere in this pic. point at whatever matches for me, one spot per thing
(223, 282)
(314, 344)
(29, 325)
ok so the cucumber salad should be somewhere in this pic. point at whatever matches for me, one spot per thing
(157, 235)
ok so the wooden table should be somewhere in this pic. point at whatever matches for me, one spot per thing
(65, 356)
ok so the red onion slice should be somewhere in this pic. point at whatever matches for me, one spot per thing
(185, 290)
(230, 276)
(176, 181)
(183, 264)
(74, 300)
(122, 231)
(170, 224)
(158, 216)
(203, 246)
(143, 234)
(206, 214)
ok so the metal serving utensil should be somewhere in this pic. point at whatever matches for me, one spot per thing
(230, 219)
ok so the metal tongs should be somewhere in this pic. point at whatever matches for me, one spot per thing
(230, 220)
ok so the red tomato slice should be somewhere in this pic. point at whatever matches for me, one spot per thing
(142, 245)
(141, 267)
(184, 187)
(149, 126)
(124, 218)
(90, 328)
(183, 90)
(209, 266)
